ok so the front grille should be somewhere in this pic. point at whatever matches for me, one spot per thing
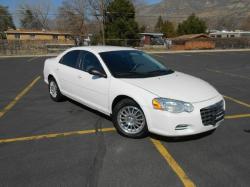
(213, 114)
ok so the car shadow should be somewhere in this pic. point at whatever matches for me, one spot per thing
(150, 135)
(89, 109)
(183, 138)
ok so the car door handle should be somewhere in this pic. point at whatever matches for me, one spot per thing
(79, 76)
(57, 69)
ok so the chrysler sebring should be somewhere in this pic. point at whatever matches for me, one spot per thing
(139, 93)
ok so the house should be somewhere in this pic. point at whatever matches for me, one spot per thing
(192, 41)
(38, 35)
(229, 34)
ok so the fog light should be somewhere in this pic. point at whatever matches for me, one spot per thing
(181, 127)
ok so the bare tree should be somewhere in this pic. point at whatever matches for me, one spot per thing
(98, 10)
(72, 16)
(37, 14)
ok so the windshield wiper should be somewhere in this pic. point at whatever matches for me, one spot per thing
(160, 72)
(157, 71)
(131, 74)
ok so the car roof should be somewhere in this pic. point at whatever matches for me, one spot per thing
(99, 49)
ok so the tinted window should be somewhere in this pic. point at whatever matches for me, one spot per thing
(91, 61)
(70, 59)
(133, 64)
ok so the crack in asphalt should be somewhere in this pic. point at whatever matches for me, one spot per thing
(96, 166)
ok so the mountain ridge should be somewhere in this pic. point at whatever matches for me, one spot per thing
(219, 14)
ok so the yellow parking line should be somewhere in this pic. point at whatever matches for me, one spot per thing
(18, 97)
(31, 59)
(226, 73)
(237, 116)
(158, 56)
(46, 136)
(173, 164)
(237, 101)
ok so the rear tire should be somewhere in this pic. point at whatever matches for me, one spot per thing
(54, 91)
(129, 119)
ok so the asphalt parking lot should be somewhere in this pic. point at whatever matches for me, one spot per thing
(43, 143)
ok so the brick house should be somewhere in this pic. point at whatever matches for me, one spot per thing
(38, 35)
(192, 41)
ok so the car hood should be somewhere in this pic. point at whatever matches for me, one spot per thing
(177, 86)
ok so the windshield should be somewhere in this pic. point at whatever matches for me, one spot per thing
(133, 64)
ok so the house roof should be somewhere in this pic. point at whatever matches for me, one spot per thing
(191, 36)
(25, 31)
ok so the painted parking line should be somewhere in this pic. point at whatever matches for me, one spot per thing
(228, 74)
(55, 135)
(172, 163)
(91, 131)
(209, 54)
(237, 116)
(186, 55)
(158, 56)
(18, 97)
(187, 182)
(237, 101)
(31, 59)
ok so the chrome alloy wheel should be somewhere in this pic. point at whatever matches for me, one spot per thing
(53, 89)
(131, 119)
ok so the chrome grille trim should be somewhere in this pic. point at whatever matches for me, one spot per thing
(213, 114)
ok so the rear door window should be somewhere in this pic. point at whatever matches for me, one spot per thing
(70, 59)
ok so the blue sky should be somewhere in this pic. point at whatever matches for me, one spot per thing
(14, 5)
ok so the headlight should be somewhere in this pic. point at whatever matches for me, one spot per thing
(172, 105)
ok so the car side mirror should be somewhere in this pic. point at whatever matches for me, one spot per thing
(96, 72)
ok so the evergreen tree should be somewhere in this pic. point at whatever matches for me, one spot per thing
(193, 25)
(168, 29)
(120, 23)
(6, 20)
(159, 24)
(142, 28)
(28, 20)
(165, 27)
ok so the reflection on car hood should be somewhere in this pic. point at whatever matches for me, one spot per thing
(177, 86)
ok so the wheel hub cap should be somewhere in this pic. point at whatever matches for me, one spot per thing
(53, 89)
(131, 119)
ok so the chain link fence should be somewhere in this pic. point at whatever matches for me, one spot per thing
(34, 47)
(31, 47)
(232, 43)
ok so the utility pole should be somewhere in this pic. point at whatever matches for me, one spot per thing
(103, 21)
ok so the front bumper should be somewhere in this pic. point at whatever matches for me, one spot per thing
(180, 124)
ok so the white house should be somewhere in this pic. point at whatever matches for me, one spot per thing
(229, 34)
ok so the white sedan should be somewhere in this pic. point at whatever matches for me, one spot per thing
(139, 93)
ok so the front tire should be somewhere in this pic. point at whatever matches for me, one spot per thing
(129, 119)
(54, 91)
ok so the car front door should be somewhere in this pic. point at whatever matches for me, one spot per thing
(92, 90)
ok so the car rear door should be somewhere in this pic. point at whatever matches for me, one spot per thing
(67, 72)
